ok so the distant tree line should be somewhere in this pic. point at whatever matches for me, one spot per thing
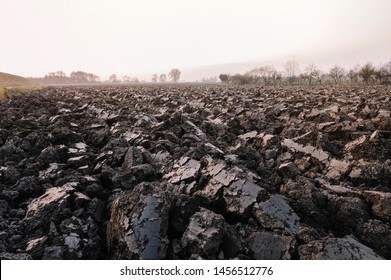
(311, 75)
(209, 80)
(114, 79)
(59, 77)
(174, 76)
(80, 77)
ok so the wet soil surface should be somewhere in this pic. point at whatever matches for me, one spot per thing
(196, 172)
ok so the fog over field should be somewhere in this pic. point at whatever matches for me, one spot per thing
(202, 38)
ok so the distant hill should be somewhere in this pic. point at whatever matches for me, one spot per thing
(9, 80)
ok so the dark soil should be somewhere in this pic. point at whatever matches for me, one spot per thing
(196, 172)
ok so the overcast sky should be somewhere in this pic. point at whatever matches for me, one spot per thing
(139, 38)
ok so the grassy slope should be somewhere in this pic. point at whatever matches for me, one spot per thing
(13, 83)
(9, 80)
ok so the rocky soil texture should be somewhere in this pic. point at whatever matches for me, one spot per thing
(196, 172)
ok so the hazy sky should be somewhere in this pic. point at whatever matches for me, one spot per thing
(142, 37)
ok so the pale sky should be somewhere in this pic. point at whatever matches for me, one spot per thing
(143, 37)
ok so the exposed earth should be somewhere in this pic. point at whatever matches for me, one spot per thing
(196, 172)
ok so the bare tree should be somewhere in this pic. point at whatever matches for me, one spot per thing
(224, 78)
(154, 78)
(352, 76)
(255, 75)
(268, 74)
(76, 77)
(126, 79)
(387, 66)
(337, 73)
(277, 77)
(312, 73)
(163, 78)
(92, 78)
(174, 75)
(291, 70)
(367, 72)
(209, 80)
(241, 79)
(113, 78)
(60, 74)
(265, 74)
(380, 73)
(58, 77)
(320, 76)
(79, 77)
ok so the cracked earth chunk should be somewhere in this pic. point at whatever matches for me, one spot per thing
(356, 144)
(133, 157)
(212, 149)
(310, 150)
(73, 242)
(288, 170)
(211, 190)
(241, 196)
(266, 246)
(207, 232)
(248, 135)
(377, 235)
(78, 161)
(198, 131)
(334, 188)
(190, 170)
(347, 213)
(337, 169)
(51, 171)
(35, 247)
(52, 253)
(130, 136)
(381, 204)
(50, 206)
(276, 213)
(325, 125)
(51, 198)
(161, 157)
(269, 140)
(139, 222)
(355, 173)
(347, 248)
(224, 177)
(215, 169)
